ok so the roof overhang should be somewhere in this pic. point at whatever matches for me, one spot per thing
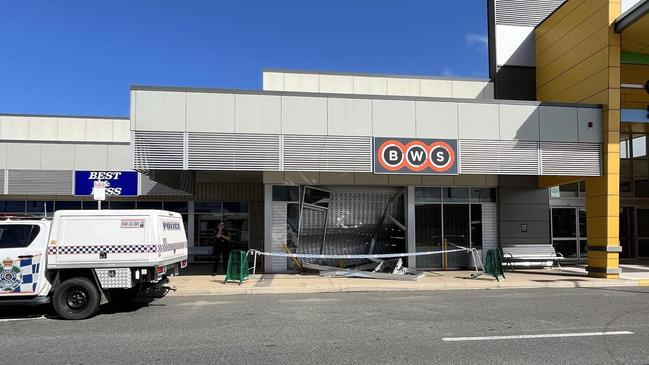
(637, 14)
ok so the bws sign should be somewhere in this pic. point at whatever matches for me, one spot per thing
(118, 183)
(415, 156)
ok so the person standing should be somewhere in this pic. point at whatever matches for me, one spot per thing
(221, 248)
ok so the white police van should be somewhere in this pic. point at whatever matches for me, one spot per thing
(83, 258)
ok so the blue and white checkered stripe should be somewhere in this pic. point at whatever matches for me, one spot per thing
(174, 246)
(95, 249)
(29, 273)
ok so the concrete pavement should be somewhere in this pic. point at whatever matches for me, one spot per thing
(569, 277)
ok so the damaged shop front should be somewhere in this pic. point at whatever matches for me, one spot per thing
(374, 220)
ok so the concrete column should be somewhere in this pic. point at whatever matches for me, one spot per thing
(410, 224)
(603, 205)
(191, 219)
(268, 225)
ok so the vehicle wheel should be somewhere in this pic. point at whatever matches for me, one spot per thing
(76, 298)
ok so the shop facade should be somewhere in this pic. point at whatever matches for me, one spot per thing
(551, 149)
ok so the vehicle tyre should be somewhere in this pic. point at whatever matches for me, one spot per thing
(76, 298)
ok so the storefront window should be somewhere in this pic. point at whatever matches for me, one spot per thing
(234, 216)
(641, 186)
(90, 205)
(121, 205)
(625, 146)
(178, 207)
(208, 207)
(476, 226)
(67, 205)
(483, 195)
(569, 231)
(235, 207)
(456, 194)
(286, 193)
(36, 207)
(149, 205)
(451, 218)
(639, 146)
(428, 194)
(12, 207)
(428, 231)
(572, 190)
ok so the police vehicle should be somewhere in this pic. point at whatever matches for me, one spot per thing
(83, 258)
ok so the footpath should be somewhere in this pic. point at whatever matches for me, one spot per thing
(569, 277)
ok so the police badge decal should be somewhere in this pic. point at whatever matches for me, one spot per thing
(10, 278)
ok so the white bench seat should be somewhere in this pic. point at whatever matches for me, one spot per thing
(531, 254)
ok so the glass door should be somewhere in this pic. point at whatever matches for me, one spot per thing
(456, 231)
(583, 238)
(428, 229)
(564, 231)
(642, 229)
(627, 232)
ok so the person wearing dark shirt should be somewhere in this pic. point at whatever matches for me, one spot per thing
(221, 248)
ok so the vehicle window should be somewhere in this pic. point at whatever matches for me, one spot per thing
(17, 235)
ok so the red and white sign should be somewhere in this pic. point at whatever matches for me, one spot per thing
(414, 156)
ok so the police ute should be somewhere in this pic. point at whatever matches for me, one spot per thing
(83, 258)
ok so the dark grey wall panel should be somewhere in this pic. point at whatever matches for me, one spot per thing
(521, 201)
(515, 83)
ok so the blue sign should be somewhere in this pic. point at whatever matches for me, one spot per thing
(118, 183)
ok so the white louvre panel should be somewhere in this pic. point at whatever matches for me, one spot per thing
(524, 12)
(158, 150)
(279, 238)
(572, 159)
(489, 230)
(499, 157)
(220, 151)
(327, 153)
(39, 182)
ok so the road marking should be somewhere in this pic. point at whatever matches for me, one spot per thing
(308, 300)
(548, 335)
(20, 319)
(202, 303)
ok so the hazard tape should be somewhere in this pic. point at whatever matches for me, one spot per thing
(372, 256)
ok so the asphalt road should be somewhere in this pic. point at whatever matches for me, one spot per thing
(349, 328)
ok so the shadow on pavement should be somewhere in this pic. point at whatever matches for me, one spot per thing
(25, 312)
(627, 290)
(132, 305)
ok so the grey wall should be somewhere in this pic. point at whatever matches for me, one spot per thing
(520, 201)
(305, 114)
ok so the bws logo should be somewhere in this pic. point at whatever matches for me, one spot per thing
(397, 155)
(171, 226)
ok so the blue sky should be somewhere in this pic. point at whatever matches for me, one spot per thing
(80, 57)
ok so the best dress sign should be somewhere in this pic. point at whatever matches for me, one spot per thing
(117, 183)
(415, 156)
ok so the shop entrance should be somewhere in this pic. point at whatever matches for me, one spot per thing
(447, 216)
(634, 232)
(569, 231)
(208, 215)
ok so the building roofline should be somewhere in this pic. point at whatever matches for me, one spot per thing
(60, 116)
(632, 15)
(424, 77)
(357, 96)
